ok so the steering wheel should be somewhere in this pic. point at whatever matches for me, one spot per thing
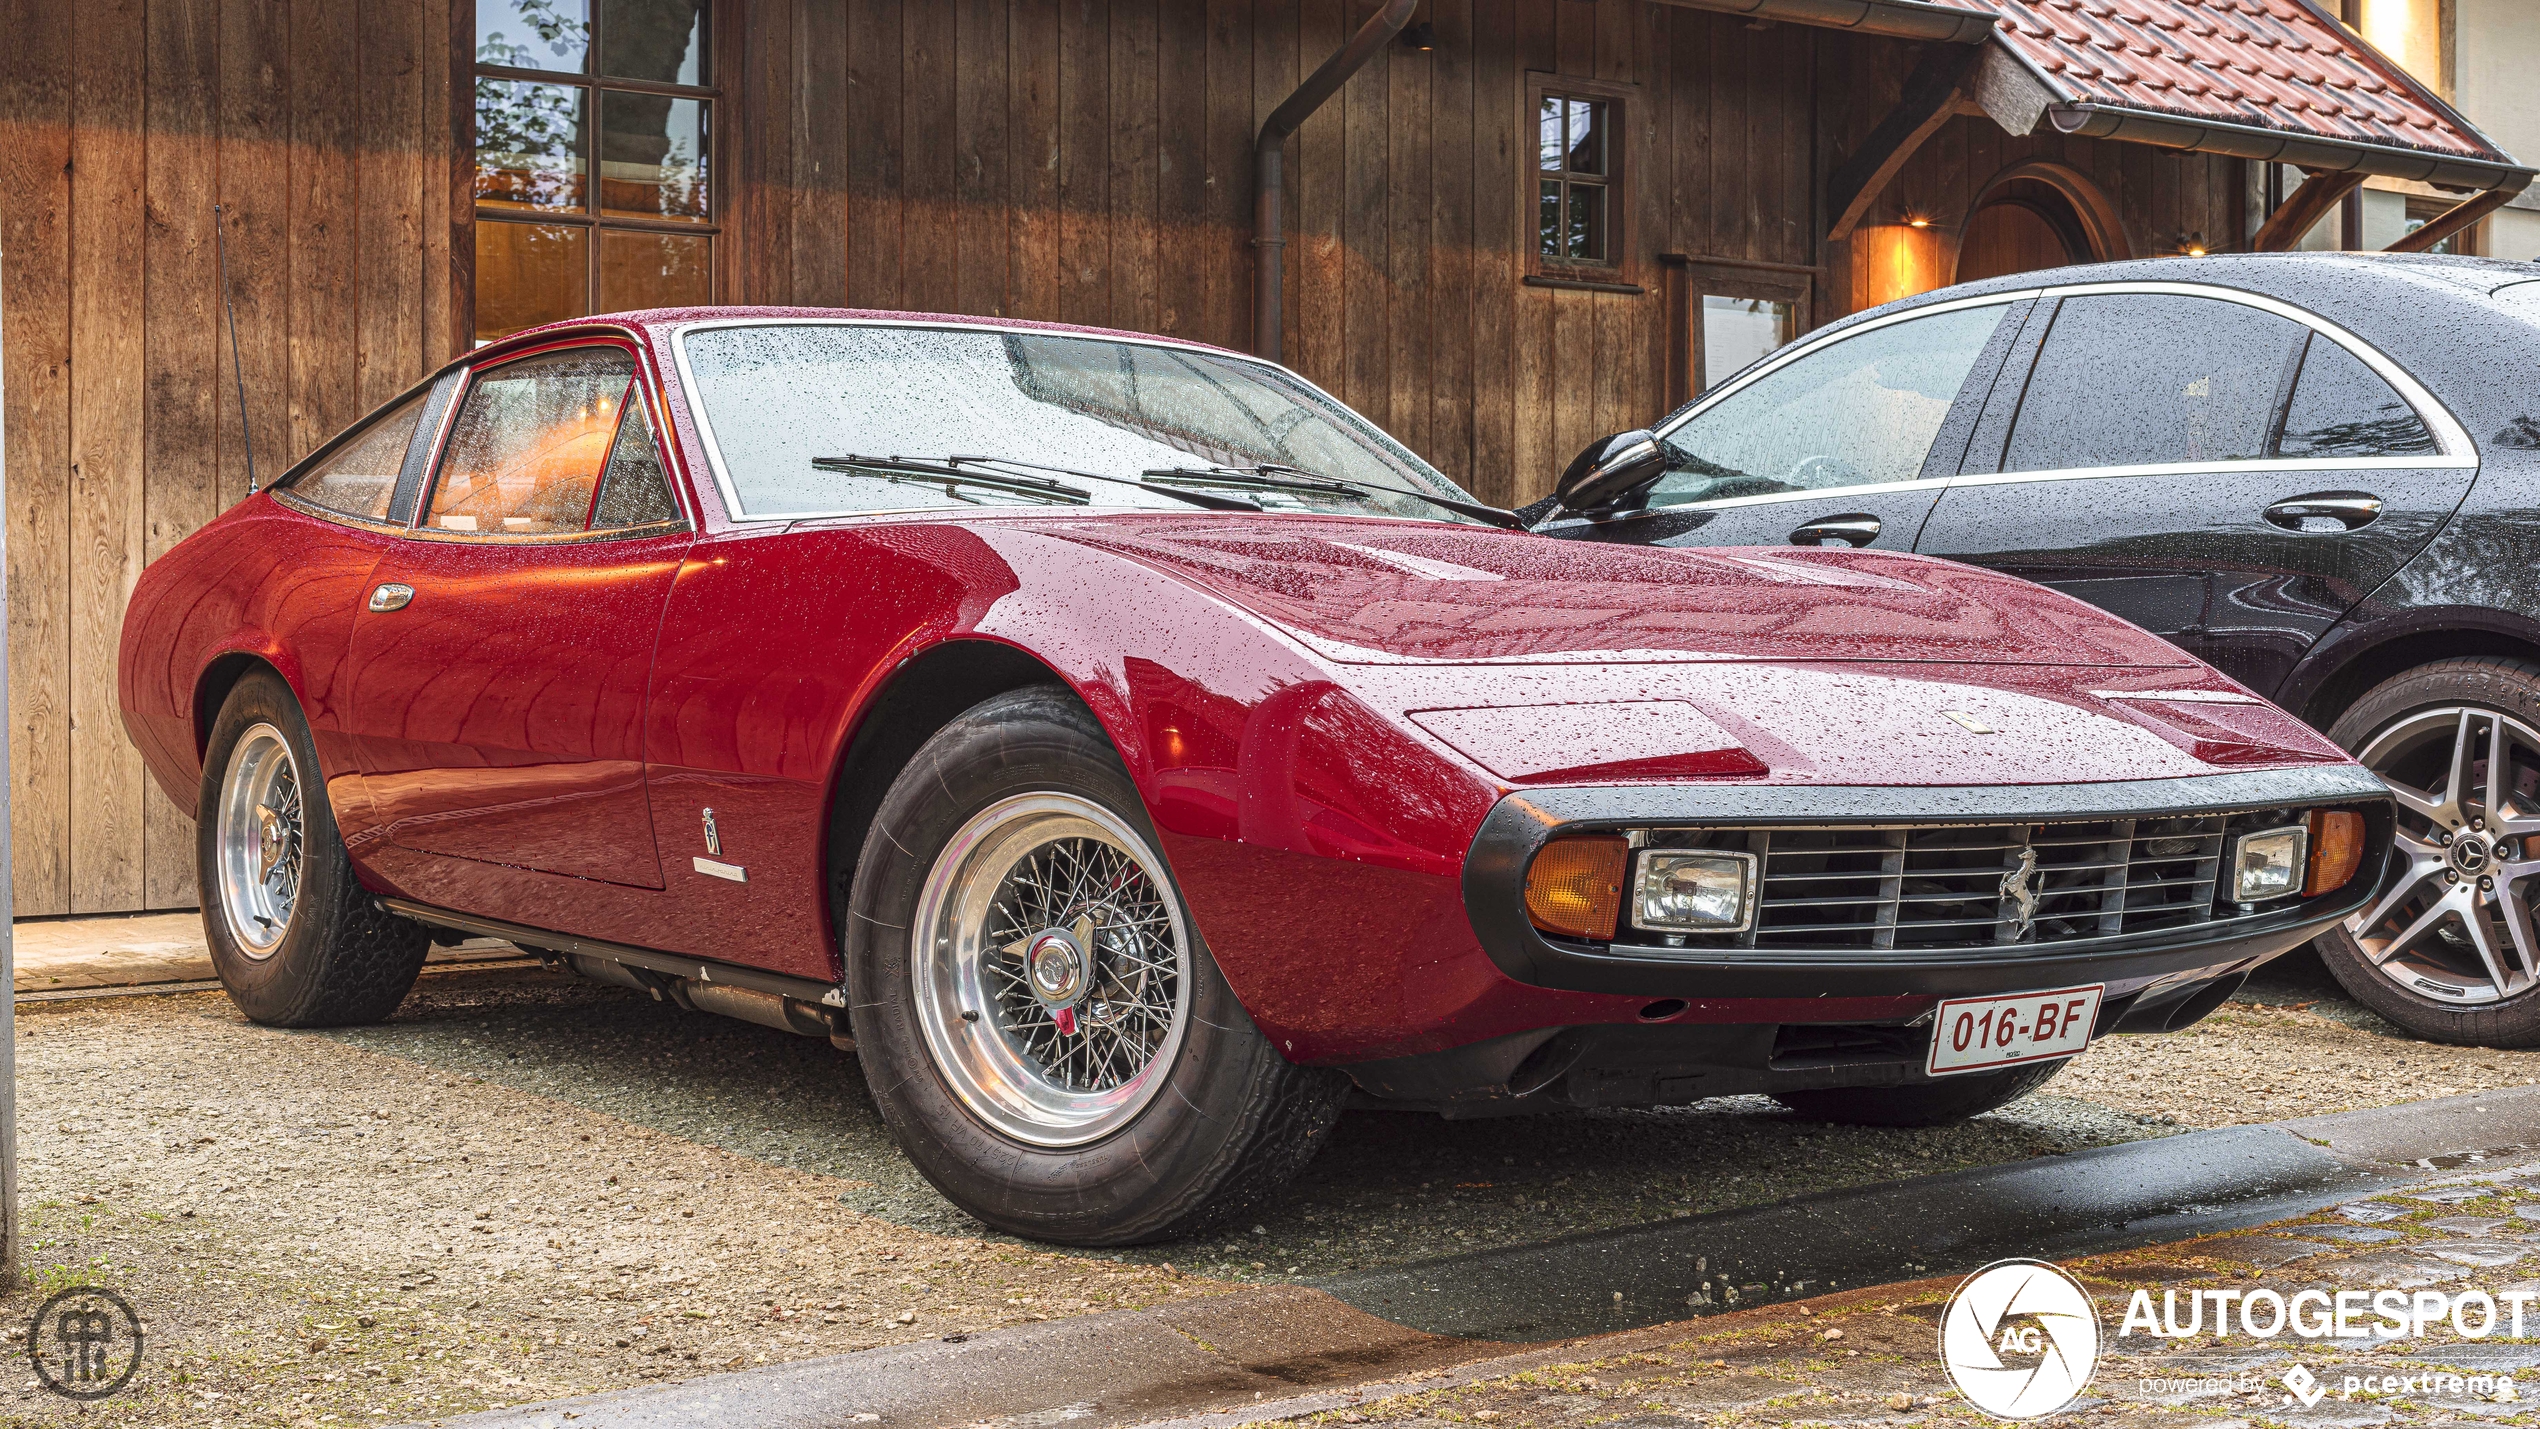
(1816, 473)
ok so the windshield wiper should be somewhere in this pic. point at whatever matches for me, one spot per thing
(1195, 498)
(1253, 478)
(928, 473)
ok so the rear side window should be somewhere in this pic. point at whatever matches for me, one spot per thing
(527, 451)
(1856, 413)
(2142, 379)
(2340, 407)
(360, 479)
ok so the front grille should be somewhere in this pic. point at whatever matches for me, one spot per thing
(1943, 886)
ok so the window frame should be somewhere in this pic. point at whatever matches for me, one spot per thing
(418, 504)
(2457, 449)
(1620, 266)
(717, 227)
(1693, 277)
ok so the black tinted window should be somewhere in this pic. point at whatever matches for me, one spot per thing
(2340, 407)
(2133, 379)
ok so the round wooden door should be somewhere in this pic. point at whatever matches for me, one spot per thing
(2011, 235)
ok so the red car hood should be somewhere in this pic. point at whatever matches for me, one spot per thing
(1377, 592)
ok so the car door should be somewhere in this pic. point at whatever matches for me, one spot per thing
(501, 660)
(2221, 470)
(1846, 442)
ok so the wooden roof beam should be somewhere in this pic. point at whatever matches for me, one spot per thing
(2320, 191)
(1934, 93)
(2459, 216)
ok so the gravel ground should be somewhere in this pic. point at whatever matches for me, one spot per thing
(1870, 1358)
(526, 1186)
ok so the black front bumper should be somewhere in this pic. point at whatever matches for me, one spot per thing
(1495, 873)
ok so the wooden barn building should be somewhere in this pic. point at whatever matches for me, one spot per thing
(1513, 226)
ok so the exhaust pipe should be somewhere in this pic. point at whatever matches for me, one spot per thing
(766, 1009)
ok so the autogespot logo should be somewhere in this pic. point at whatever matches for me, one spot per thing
(2020, 1339)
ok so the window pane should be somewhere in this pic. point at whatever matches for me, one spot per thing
(652, 156)
(2340, 407)
(361, 478)
(654, 270)
(1587, 222)
(1550, 144)
(533, 34)
(780, 397)
(635, 491)
(1548, 220)
(661, 40)
(1737, 331)
(1862, 411)
(1587, 136)
(2129, 379)
(525, 453)
(528, 145)
(529, 273)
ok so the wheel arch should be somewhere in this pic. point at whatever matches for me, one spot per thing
(221, 675)
(928, 691)
(2341, 673)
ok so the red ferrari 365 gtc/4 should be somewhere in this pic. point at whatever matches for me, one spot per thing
(1136, 756)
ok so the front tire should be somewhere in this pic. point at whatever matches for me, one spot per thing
(1042, 1027)
(295, 938)
(1932, 1103)
(2448, 950)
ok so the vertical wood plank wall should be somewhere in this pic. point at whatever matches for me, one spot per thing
(1090, 161)
(1079, 160)
(321, 127)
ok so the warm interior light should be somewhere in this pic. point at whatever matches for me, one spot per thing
(1900, 259)
(1575, 886)
(1916, 220)
(2337, 850)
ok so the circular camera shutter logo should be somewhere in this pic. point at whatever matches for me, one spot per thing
(2020, 1339)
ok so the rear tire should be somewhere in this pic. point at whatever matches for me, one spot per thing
(2420, 955)
(1932, 1103)
(1011, 874)
(295, 938)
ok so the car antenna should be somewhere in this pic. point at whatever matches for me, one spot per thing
(220, 240)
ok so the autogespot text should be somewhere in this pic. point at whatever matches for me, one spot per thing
(2329, 1315)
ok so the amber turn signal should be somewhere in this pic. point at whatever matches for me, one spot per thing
(1575, 886)
(2337, 849)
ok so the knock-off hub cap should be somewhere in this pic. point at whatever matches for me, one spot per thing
(1058, 968)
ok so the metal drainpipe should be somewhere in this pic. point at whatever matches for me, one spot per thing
(1267, 152)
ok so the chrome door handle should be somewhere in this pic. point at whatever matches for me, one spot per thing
(2325, 511)
(392, 596)
(1851, 530)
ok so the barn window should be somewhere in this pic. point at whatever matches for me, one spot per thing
(595, 172)
(1571, 180)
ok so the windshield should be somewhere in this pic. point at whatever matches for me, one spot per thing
(786, 404)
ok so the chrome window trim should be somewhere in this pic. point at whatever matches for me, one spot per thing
(732, 508)
(2457, 449)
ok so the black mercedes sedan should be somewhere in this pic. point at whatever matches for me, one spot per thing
(2318, 471)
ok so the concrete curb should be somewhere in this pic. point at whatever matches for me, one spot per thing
(1219, 1361)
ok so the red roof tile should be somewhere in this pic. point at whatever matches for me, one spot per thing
(2270, 64)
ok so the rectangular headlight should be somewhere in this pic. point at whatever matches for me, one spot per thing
(2270, 863)
(1693, 891)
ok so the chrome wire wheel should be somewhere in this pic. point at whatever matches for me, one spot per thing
(2453, 922)
(1051, 967)
(261, 840)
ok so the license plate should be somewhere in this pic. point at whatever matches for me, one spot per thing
(1972, 1034)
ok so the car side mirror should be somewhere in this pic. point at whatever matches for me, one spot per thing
(1611, 470)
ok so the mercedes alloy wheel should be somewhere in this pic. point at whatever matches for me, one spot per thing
(2448, 949)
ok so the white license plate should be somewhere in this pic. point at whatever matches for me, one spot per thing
(1971, 1034)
